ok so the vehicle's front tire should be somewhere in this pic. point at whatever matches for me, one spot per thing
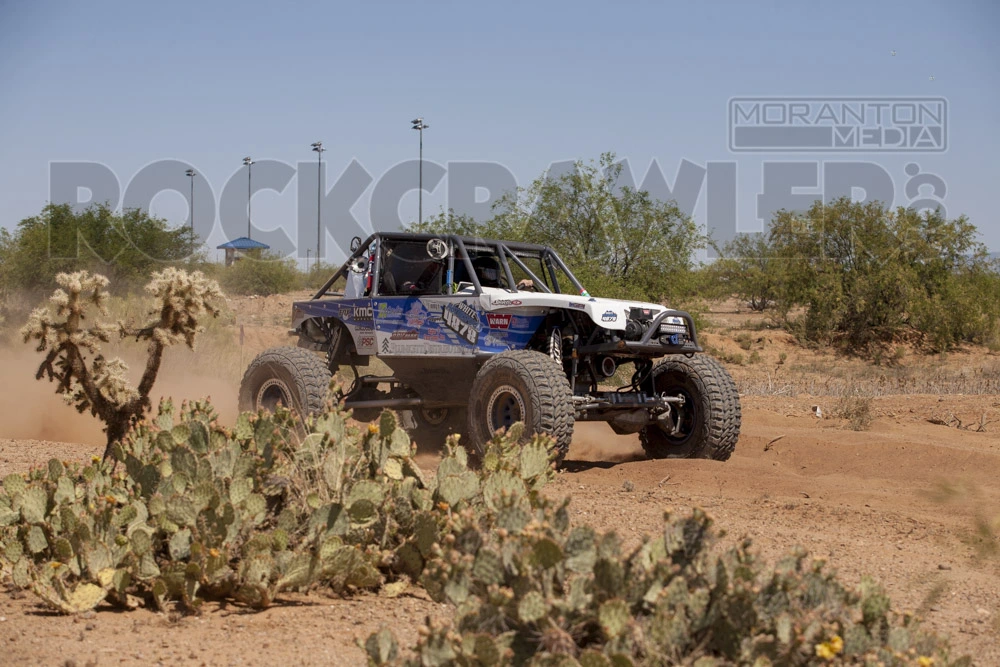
(521, 386)
(291, 376)
(710, 417)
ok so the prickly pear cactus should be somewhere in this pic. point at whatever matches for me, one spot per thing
(530, 588)
(191, 509)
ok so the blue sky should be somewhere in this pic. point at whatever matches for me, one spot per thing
(523, 84)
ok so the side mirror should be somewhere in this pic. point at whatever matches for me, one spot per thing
(359, 265)
(355, 243)
(437, 249)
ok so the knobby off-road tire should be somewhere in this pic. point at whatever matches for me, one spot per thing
(521, 386)
(292, 376)
(710, 417)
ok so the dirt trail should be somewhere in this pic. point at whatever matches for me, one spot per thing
(897, 502)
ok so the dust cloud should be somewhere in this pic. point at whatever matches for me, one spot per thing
(595, 441)
(31, 410)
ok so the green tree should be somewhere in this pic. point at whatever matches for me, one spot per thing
(617, 239)
(126, 246)
(447, 223)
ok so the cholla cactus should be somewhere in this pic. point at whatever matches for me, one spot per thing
(72, 345)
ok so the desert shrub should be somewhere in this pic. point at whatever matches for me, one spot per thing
(868, 276)
(856, 409)
(263, 275)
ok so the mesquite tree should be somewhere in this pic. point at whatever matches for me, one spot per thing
(71, 340)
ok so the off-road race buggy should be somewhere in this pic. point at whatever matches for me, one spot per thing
(479, 334)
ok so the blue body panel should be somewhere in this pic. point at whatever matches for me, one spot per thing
(428, 325)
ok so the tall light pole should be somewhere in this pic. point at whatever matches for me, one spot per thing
(190, 173)
(420, 126)
(249, 165)
(317, 146)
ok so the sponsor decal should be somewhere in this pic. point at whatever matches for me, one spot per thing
(609, 316)
(367, 341)
(517, 322)
(385, 310)
(345, 312)
(498, 320)
(363, 313)
(490, 340)
(385, 346)
(364, 331)
(401, 334)
(578, 306)
(463, 320)
(505, 302)
(435, 335)
(415, 315)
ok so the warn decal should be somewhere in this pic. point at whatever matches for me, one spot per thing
(498, 320)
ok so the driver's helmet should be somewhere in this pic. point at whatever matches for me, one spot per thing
(487, 270)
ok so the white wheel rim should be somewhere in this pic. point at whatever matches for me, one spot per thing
(266, 395)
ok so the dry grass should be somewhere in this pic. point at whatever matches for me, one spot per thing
(823, 378)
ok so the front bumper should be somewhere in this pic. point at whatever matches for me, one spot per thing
(652, 343)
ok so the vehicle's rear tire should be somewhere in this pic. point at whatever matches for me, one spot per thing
(525, 386)
(291, 376)
(430, 427)
(710, 417)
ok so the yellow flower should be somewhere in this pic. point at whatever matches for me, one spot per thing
(95, 459)
(443, 506)
(829, 650)
(110, 499)
(925, 661)
(214, 553)
(373, 429)
(55, 565)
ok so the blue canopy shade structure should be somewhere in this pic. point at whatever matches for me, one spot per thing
(235, 248)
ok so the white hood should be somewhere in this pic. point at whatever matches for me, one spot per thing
(608, 313)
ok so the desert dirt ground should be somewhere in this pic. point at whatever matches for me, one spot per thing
(901, 500)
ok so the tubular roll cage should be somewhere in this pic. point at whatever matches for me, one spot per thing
(459, 245)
